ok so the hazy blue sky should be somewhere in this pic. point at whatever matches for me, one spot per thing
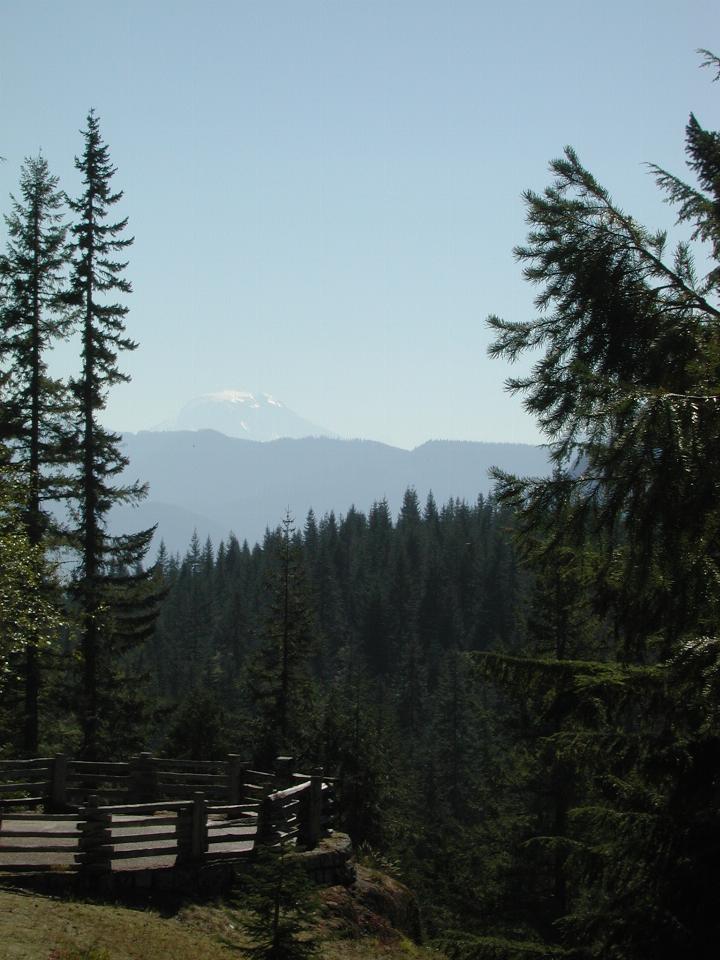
(325, 195)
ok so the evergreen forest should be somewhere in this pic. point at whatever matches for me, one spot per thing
(521, 694)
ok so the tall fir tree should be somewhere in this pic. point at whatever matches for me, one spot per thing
(281, 690)
(29, 612)
(626, 391)
(34, 405)
(115, 600)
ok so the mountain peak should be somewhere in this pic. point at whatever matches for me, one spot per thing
(240, 413)
(253, 400)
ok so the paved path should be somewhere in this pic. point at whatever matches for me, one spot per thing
(239, 838)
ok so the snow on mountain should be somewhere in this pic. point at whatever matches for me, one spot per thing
(249, 416)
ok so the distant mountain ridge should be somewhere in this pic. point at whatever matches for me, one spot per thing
(216, 484)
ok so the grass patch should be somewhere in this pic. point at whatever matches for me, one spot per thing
(36, 927)
(42, 928)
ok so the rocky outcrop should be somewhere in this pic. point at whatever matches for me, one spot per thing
(374, 904)
(330, 862)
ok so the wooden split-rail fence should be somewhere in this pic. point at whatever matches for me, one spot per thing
(152, 812)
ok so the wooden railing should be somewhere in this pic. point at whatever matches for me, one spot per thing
(225, 811)
(24, 833)
(60, 784)
(300, 813)
(144, 833)
(30, 780)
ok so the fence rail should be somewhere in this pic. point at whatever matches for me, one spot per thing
(97, 816)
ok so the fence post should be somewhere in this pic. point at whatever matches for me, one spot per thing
(191, 830)
(95, 839)
(143, 786)
(184, 833)
(283, 772)
(235, 777)
(58, 783)
(265, 822)
(329, 808)
(311, 811)
(199, 826)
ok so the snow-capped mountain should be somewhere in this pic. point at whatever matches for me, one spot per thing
(249, 416)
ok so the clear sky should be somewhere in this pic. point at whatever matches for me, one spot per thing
(325, 193)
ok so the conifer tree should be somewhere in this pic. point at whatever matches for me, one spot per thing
(34, 406)
(626, 391)
(117, 607)
(29, 612)
(280, 676)
(280, 898)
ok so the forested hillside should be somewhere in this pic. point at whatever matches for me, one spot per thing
(519, 693)
(194, 486)
(345, 642)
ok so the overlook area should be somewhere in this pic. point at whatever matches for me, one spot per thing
(430, 669)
